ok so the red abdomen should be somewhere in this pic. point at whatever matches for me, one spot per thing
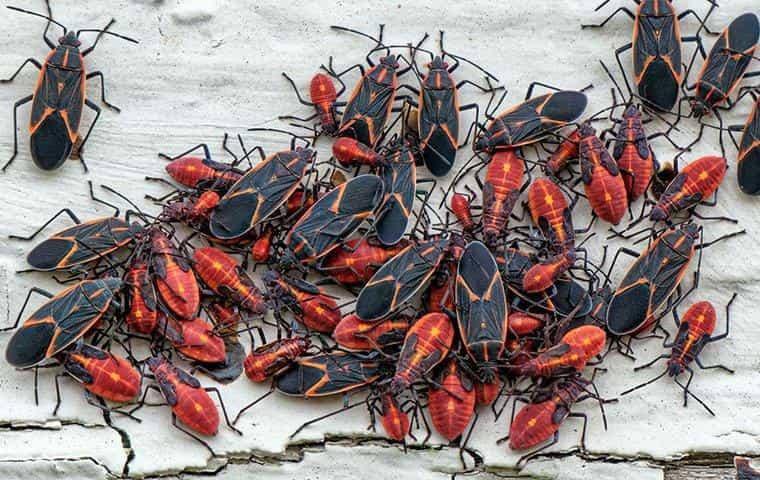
(607, 195)
(452, 406)
(501, 188)
(395, 421)
(270, 359)
(532, 425)
(636, 171)
(142, 315)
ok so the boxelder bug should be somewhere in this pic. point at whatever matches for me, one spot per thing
(189, 401)
(261, 191)
(332, 218)
(324, 100)
(692, 185)
(452, 401)
(59, 97)
(438, 109)
(748, 158)
(399, 174)
(225, 277)
(61, 321)
(357, 260)
(329, 374)
(656, 48)
(312, 307)
(530, 121)
(195, 339)
(142, 303)
(391, 287)
(174, 278)
(481, 309)
(274, 358)
(394, 420)
(352, 333)
(722, 71)
(197, 172)
(426, 345)
(695, 331)
(572, 353)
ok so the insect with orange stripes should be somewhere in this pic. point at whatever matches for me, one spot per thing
(656, 50)
(691, 186)
(438, 108)
(323, 98)
(275, 357)
(103, 374)
(142, 303)
(223, 274)
(426, 345)
(461, 207)
(531, 121)
(194, 339)
(192, 208)
(225, 320)
(355, 261)
(372, 100)
(61, 321)
(312, 307)
(352, 333)
(202, 172)
(59, 97)
(393, 418)
(173, 276)
(440, 296)
(540, 420)
(331, 219)
(396, 282)
(190, 402)
(722, 72)
(748, 158)
(481, 307)
(399, 173)
(570, 354)
(258, 194)
(603, 183)
(566, 151)
(451, 401)
(695, 331)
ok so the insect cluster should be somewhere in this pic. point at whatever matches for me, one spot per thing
(488, 298)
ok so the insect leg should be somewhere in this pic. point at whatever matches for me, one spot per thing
(15, 128)
(612, 15)
(99, 74)
(28, 60)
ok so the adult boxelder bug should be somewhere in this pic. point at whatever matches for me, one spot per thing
(601, 176)
(352, 333)
(652, 279)
(391, 287)
(61, 321)
(332, 218)
(481, 309)
(530, 121)
(692, 185)
(82, 243)
(695, 331)
(426, 345)
(324, 100)
(399, 174)
(59, 97)
(260, 192)
(311, 306)
(748, 159)
(189, 401)
(174, 277)
(656, 48)
(438, 110)
(223, 275)
(357, 260)
(329, 374)
(274, 358)
(452, 401)
(540, 420)
(723, 69)
(371, 102)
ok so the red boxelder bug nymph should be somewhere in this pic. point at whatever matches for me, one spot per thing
(332, 218)
(481, 306)
(566, 151)
(202, 173)
(391, 287)
(274, 358)
(572, 353)
(601, 176)
(530, 121)
(540, 420)
(438, 109)
(194, 339)
(261, 191)
(656, 50)
(189, 401)
(142, 303)
(174, 278)
(352, 333)
(693, 184)
(371, 102)
(59, 97)
(723, 70)
(452, 401)
(225, 277)
(426, 345)
(324, 100)
(61, 321)
(357, 260)
(311, 306)
(394, 420)
(695, 331)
